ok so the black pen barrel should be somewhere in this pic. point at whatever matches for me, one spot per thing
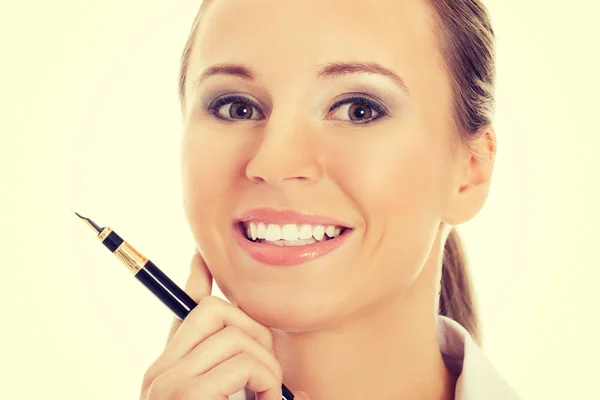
(166, 290)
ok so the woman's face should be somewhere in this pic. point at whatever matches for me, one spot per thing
(341, 109)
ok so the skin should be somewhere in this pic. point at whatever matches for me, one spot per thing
(400, 181)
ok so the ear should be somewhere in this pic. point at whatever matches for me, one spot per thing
(473, 177)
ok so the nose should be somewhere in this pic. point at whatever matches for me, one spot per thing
(285, 154)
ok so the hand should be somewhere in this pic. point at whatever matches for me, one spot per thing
(215, 352)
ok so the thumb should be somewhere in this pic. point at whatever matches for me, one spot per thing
(198, 285)
(300, 396)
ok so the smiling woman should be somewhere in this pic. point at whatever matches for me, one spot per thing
(329, 149)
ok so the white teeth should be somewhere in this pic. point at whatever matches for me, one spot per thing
(330, 230)
(289, 232)
(305, 231)
(261, 230)
(273, 233)
(319, 232)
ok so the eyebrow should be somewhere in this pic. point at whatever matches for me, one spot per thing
(334, 70)
(328, 71)
(238, 70)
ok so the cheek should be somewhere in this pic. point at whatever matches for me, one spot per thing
(395, 181)
(390, 176)
(200, 188)
(209, 167)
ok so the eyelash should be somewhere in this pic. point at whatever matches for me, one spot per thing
(365, 101)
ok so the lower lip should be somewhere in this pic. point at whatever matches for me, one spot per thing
(287, 255)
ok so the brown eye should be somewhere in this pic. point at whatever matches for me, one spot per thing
(238, 108)
(240, 111)
(358, 112)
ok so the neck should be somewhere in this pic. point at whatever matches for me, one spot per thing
(389, 351)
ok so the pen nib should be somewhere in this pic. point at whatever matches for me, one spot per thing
(89, 222)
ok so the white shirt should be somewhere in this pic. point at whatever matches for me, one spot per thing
(477, 378)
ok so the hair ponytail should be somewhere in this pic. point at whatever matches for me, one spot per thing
(467, 44)
(457, 299)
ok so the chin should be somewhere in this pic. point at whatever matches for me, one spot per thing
(289, 312)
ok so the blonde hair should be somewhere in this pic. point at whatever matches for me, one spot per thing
(466, 41)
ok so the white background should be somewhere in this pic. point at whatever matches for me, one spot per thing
(89, 120)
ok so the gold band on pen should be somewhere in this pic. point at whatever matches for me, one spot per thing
(130, 257)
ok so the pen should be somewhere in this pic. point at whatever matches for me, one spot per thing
(152, 277)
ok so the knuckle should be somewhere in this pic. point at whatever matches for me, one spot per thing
(209, 302)
(245, 362)
(234, 333)
(149, 376)
(159, 382)
(195, 389)
(158, 388)
(209, 308)
(181, 393)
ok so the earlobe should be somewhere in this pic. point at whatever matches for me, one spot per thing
(471, 194)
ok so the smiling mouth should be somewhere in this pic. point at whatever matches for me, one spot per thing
(292, 235)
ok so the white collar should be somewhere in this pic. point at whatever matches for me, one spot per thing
(477, 378)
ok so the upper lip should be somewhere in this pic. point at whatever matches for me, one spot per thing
(282, 217)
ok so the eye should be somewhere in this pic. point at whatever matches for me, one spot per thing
(359, 110)
(235, 108)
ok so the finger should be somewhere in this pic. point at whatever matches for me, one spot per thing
(232, 375)
(209, 317)
(198, 285)
(220, 347)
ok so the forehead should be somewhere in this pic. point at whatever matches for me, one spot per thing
(290, 34)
